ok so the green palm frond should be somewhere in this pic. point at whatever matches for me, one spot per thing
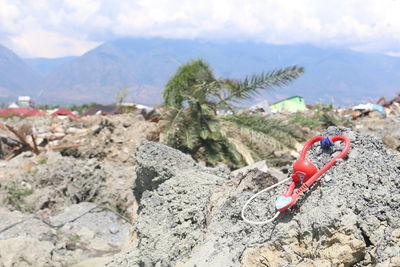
(245, 89)
(274, 128)
(261, 135)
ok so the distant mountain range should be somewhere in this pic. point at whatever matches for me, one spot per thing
(332, 75)
(15, 75)
(47, 65)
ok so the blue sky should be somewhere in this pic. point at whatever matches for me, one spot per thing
(55, 28)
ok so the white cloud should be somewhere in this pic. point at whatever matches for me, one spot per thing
(8, 15)
(39, 43)
(57, 28)
(393, 54)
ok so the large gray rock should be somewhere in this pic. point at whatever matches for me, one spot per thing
(173, 192)
(157, 163)
(349, 217)
(97, 229)
(71, 213)
(16, 224)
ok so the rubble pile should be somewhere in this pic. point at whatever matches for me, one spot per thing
(16, 141)
(381, 119)
(58, 181)
(111, 138)
(69, 201)
(101, 137)
(35, 133)
(189, 215)
(385, 127)
(394, 103)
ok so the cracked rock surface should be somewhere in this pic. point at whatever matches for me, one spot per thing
(81, 231)
(190, 215)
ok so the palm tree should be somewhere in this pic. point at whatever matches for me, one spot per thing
(192, 97)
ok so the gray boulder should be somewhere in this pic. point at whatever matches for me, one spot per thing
(173, 194)
(350, 217)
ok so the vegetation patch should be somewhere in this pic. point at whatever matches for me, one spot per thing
(73, 237)
(42, 161)
(318, 117)
(16, 194)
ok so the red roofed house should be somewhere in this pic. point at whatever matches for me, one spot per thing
(63, 112)
(22, 111)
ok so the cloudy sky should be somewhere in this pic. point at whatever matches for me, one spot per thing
(54, 28)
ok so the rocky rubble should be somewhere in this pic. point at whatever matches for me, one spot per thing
(73, 207)
(189, 215)
(386, 128)
(55, 182)
(111, 138)
(55, 217)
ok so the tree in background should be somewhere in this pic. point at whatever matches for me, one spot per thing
(120, 96)
(193, 96)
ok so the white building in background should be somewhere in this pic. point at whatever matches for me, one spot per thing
(25, 102)
(138, 106)
(262, 106)
(13, 105)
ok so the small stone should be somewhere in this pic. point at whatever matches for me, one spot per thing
(72, 130)
(59, 135)
(114, 229)
(70, 246)
(396, 235)
(95, 129)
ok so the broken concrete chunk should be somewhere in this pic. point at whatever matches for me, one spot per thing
(92, 226)
(26, 251)
(71, 213)
(9, 218)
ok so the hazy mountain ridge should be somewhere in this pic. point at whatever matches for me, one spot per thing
(47, 65)
(16, 77)
(145, 65)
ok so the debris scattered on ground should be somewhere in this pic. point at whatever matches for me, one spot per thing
(369, 110)
(103, 137)
(17, 140)
(112, 138)
(85, 165)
